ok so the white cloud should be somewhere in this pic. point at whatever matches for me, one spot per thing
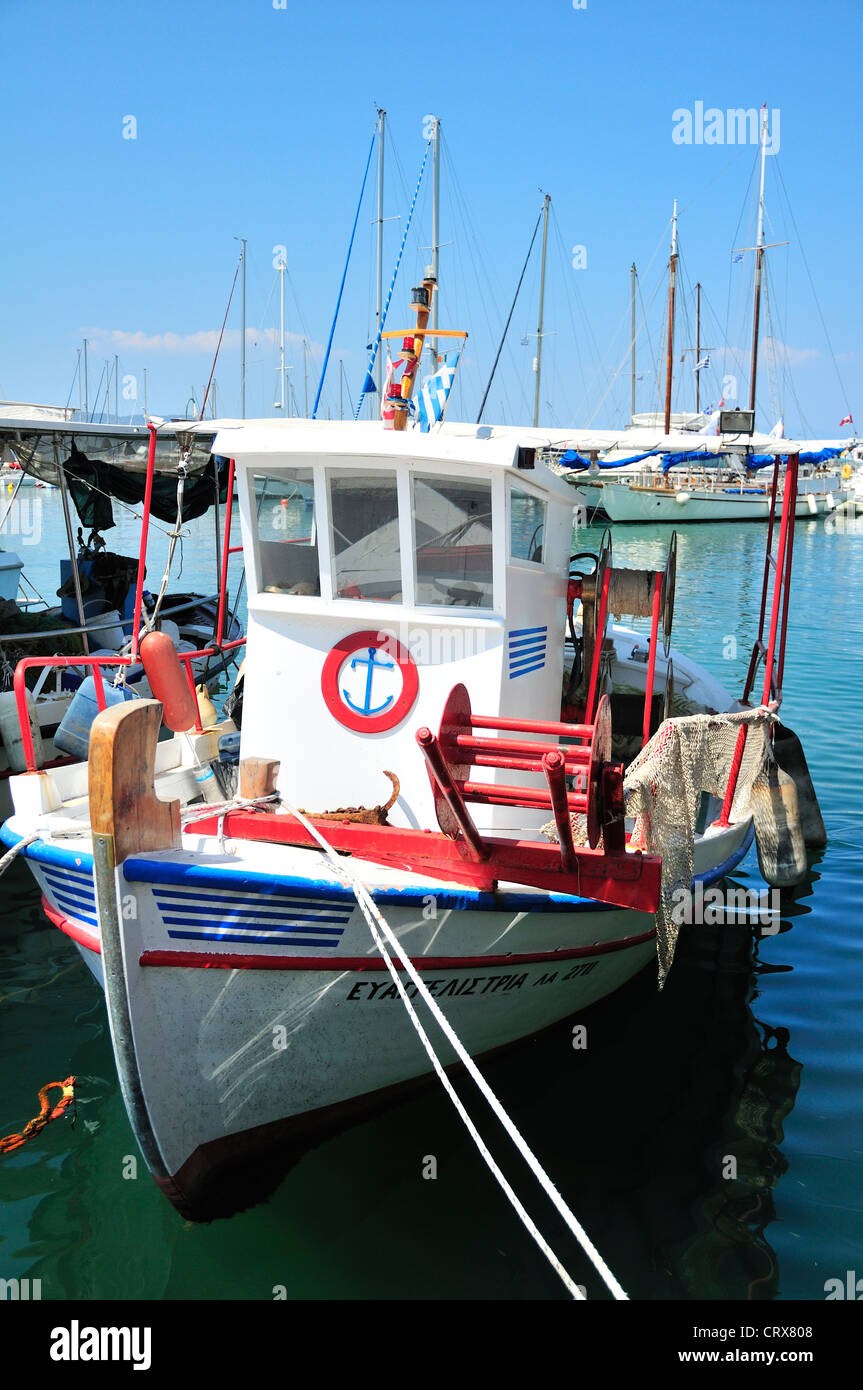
(793, 357)
(206, 340)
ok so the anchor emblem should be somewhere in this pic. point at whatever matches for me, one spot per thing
(376, 651)
(371, 666)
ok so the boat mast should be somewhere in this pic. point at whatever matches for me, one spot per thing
(759, 257)
(697, 347)
(243, 334)
(633, 276)
(379, 307)
(672, 278)
(282, 398)
(86, 390)
(116, 389)
(435, 246)
(541, 310)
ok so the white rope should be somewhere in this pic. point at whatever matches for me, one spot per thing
(15, 851)
(215, 808)
(371, 913)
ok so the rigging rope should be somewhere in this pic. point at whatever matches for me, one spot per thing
(342, 285)
(375, 920)
(380, 331)
(221, 335)
(509, 317)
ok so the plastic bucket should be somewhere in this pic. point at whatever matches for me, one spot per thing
(73, 735)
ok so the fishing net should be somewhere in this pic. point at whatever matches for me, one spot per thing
(663, 787)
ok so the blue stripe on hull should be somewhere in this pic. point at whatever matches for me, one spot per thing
(167, 871)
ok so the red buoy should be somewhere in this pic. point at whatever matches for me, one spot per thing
(168, 681)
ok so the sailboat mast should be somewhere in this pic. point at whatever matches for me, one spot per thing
(633, 274)
(541, 310)
(697, 347)
(243, 338)
(672, 279)
(86, 388)
(282, 397)
(379, 307)
(759, 258)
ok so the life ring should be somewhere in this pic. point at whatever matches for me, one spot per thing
(847, 470)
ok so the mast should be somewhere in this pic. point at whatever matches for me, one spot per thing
(541, 310)
(672, 279)
(86, 389)
(379, 305)
(116, 389)
(633, 276)
(243, 335)
(759, 257)
(80, 389)
(697, 347)
(282, 398)
(435, 248)
(305, 380)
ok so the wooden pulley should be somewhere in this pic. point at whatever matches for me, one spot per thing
(667, 593)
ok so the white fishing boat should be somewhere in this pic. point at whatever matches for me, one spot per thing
(419, 812)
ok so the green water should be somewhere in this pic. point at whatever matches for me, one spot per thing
(754, 1050)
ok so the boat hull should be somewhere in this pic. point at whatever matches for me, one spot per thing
(622, 502)
(261, 1016)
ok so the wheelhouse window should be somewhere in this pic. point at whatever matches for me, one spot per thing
(287, 532)
(364, 516)
(453, 539)
(527, 514)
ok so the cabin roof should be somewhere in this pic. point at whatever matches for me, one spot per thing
(367, 440)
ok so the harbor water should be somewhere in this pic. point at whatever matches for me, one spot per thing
(709, 1137)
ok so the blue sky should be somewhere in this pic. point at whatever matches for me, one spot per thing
(255, 121)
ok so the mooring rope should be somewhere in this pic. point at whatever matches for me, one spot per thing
(15, 851)
(375, 919)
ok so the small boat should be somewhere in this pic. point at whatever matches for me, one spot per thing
(432, 801)
(95, 468)
(694, 493)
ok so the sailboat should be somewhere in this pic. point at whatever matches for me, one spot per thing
(652, 477)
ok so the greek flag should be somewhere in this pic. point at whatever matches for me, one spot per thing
(435, 391)
(702, 363)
